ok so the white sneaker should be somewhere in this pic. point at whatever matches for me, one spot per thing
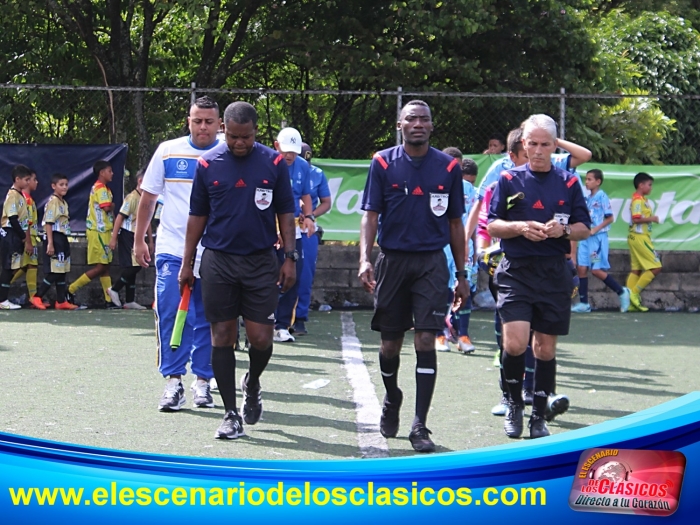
(213, 384)
(283, 336)
(133, 306)
(201, 390)
(7, 305)
(114, 296)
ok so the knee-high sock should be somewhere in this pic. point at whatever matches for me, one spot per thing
(18, 275)
(643, 281)
(46, 285)
(60, 288)
(258, 363)
(5, 278)
(513, 370)
(31, 280)
(464, 316)
(223, 362)
(613, 284)
(583, 289)
(390, 376)
(529, 381)
(426, 373)
(632, 279)
(544, 385)
(106, 282)
(79, 283)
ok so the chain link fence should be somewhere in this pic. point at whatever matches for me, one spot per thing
(354, 124)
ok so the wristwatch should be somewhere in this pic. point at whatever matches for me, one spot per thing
(567, 231)
(310, 216)
(460, 273)
(293, 255)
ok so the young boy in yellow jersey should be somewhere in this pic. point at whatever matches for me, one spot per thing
(14, 235)
(30, 262)
(123, 236)
(56, 263)
(99, 225)
(644, 261)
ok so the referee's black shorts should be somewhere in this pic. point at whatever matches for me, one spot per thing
(412, 291)
(537, 290)
(239, 285)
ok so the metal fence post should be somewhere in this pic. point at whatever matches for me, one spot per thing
(193, 94)
(562, 113)
(399, 105)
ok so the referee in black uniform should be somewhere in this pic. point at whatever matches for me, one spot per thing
(239, 187)
(414, 199)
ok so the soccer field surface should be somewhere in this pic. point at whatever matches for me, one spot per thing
(90, 378)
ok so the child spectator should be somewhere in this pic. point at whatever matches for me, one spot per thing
(30, 262)
(123, 235)
(497, 145)
(14, 235)
(644, 261)
(593, 252)
(99, 224)
(56, 263)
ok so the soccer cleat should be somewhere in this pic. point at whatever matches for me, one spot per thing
(37, 303)
(65, 305)
(501, 408)
(420, 438)
(441, 344)
(528, 396)
(538, 427)
(114, 296)
(173, 397)
(201, 393)
(283, 336)
(231, 427)
(134, 306)
(625, 299)
(465, 345)
(7, 305)
(252, 402)
(299, 328)
(389, 422)
(581, 308)
(110, 305)
(556, 406)
(513, 423)
(636, 301)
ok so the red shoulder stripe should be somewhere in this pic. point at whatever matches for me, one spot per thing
(452, 164)
(381, 160)
(506, 175)
(571, 182)
(203, 162)
(277, 160)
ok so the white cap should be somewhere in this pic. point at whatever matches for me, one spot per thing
(289, 139)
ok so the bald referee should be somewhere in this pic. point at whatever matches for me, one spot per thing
(239, 187)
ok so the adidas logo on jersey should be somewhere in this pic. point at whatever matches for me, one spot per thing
(538, 205)
(240, 184)
(417, 191)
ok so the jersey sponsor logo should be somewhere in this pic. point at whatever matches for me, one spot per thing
(417, 191)
(182, 165)
(263, 198)
(438, 203)
(241, 184)
(538, 205)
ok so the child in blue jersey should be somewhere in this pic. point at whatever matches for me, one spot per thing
(593, 252)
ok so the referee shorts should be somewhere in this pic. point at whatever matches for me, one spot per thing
(240, 285)
(537, 290)
(411, 291)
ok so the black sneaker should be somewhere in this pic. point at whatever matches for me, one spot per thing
(231, 427)
(556, 406)
(71, 299)
(389, 422)
(173, 397)
(420, 439)
(109, 305)
(513, 424)
(299, 328)
(252, 402)
(538, 428)
(528, 396)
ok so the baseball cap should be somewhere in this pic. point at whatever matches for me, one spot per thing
(289, 139)
(306, 151)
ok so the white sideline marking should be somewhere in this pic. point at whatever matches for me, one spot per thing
(367, 409)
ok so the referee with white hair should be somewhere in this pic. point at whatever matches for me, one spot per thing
(536, 210)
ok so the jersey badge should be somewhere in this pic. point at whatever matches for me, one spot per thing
(438, 203)
(263, 198)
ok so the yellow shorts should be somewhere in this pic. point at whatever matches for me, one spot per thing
(98, 251)
(642, 253)
(33, 259)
